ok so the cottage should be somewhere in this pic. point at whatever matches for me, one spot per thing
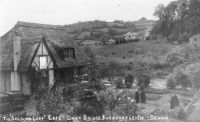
(119, 39)
(42, 47)
(130, 36)
(195, 40)
(111, 42)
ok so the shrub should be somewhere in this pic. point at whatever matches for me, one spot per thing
(50, 104)
(87, 96)
(143, 79)
(181, 114)
(127, 106)
(171, 83)
(179, 77)
(109, 98)
(174, 59)
(182, 79)
(119, 83)
(142, 72)
(129, 80)
(89, 104)
(174, 102)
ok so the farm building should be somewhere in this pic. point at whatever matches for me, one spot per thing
(195, 40)
(119, 39)
(42, 47)
(130, 36)
(111, 42)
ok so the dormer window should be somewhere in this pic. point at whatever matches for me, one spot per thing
(69, 53)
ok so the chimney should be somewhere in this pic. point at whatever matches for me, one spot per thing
(16, 49)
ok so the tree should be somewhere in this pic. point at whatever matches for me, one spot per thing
(174, 102)
(159, 11)
(178, 18)
(142, 73)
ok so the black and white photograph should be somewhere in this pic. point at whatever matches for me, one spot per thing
(99, 60)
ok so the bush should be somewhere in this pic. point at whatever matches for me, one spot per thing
(179, 77)
(182, 79)
(171, 83)
(127, 105)
(144, 79)
(174, 59)
(193, 71)
(50, 104)
(129, 80)
(87, 96)
(174, 102)
(119, 83)
(89, 104)
(181, 114)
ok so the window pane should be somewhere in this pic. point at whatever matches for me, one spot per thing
(43, 62)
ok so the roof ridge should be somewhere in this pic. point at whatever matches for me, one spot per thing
(39, 25)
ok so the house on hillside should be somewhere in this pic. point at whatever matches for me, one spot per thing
(130, 36)
(42, 47)
(119, 39)
(195, 40)
(111, 42)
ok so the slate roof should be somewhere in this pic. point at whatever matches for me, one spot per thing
(32, 34)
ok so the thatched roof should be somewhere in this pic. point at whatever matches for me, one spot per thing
(32, 34)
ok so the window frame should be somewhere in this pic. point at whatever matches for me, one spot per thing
(69, 53)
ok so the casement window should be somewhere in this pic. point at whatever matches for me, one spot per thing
(69, 53)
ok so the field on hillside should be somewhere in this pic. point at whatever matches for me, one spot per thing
(130, 51)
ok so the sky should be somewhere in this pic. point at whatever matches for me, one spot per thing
(61, 12)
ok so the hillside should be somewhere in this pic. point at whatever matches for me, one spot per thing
(96, 30)
(128, 52)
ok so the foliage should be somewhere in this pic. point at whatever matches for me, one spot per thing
(174, 59)
(181, 114)
(129, 80)
(51, 103)
(174, 102)
(90, 105)
(110, 69)
(142, 73)
(179, 78)
(87, 96)
(178, 18)
(193, 72)
(127, 106)
(119, 83)
(183, 80)
(171, 83)
(37, 87)
(109, 98)
(144, 79)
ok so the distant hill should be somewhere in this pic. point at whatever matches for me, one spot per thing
(96, 30)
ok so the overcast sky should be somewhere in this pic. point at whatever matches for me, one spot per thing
(62, 12)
